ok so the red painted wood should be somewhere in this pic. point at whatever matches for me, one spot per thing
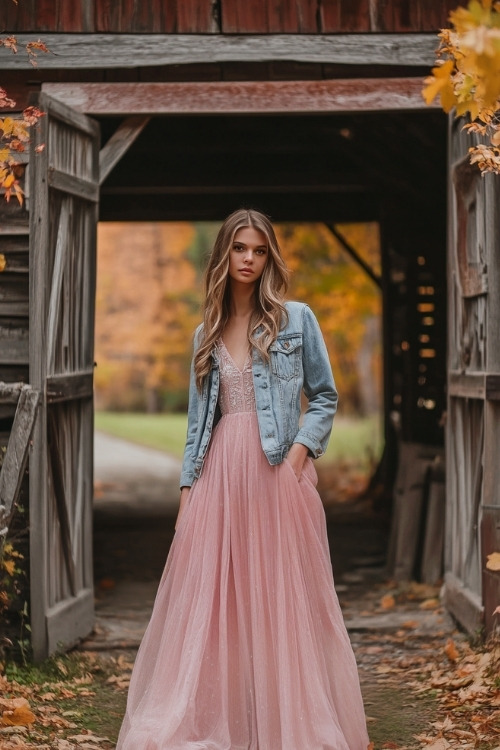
(345, 16)
(195, 16)
(402, 15)
(245, 97)
(237, 16)
(16, 17)
(266, 16)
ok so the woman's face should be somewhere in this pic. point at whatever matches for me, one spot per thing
(248, 255)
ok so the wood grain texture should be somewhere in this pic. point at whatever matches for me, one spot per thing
(262, 16)
(67, 387)
(244, 97)
(90, 51)
(63, 221)
(119, 143)
(236, 16)
(16, 456)
(465, 605)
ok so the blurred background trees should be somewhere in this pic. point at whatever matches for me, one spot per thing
(148, 305)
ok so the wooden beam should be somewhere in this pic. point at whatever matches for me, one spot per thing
(119, 143)
(474, 385)
(68, 387)
(16, 456)
(90, 51)
(77, 186)
(242, 97)
(10, 392)
(57, 472)
(355, 255)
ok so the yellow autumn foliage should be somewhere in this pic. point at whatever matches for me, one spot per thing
(466, 77)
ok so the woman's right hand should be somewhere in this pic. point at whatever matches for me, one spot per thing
(183, 504)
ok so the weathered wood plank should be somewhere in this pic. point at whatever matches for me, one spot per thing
(261, 16)
(62, 111)
(57, 472)
(16, 456)
(10, 392)
(14, 229)
(474, 385)
(14, 310)
(77, 186)
(119, 143)
(69, 620)
(346, 16)
(14, 342)
(89, 51)
(467, 385)
(463, 603)
(68, 387)
(245, 97)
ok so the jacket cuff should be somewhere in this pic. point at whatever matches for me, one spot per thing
(187, 479)
(310, 442)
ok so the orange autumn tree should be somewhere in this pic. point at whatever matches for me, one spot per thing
(147, 308)
(346, 301)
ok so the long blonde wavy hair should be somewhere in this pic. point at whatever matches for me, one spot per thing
(269, 311)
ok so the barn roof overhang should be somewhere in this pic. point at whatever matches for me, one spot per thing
(300, 150)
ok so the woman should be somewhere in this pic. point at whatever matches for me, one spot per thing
(246, 648)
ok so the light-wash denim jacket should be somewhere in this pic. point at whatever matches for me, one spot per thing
(298, 361)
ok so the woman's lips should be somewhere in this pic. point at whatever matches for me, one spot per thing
(246, 270)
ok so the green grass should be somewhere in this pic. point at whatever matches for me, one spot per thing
(166, 432)
(354, 440)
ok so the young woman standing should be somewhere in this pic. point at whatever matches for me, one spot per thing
(246, 648)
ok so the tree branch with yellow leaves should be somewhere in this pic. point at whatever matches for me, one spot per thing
(467, 76)
(14, 131)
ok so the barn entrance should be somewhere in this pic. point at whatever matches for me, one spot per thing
(318, 165)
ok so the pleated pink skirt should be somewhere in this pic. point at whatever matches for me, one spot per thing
(246, 648)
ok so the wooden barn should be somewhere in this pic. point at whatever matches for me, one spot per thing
(311, 111)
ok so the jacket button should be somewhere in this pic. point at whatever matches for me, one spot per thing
(264, 385)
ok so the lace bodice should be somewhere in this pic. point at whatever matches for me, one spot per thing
(236, 393)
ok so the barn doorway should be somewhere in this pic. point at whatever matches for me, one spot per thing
(308, 168)
(333, 168)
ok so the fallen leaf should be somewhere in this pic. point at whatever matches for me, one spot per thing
(19, 716)
(451, 650)
(493, 561)
(387, 601)
(429, 604)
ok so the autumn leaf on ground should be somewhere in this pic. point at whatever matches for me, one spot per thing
(451, 650)
(16, 713)
(429, 604)
(493, 561)
(387, 601)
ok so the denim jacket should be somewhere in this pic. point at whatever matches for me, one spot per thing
(298, 361)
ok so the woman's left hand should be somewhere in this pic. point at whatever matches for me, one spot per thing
(296, 457)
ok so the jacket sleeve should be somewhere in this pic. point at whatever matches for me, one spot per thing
(319, 388)
(187, 472)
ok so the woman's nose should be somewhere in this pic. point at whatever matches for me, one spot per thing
(248, 256)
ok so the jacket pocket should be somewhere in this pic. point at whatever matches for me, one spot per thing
(285, 356)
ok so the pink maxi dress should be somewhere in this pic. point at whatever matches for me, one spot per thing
(246, 648)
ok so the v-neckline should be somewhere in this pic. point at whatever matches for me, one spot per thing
(242, 369)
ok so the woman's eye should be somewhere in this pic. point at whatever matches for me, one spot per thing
(237, 247)
(261, 251)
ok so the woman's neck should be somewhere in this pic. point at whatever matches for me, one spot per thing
(242, 301)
